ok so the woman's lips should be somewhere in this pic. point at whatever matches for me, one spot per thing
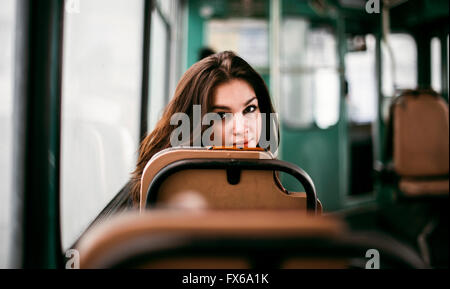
(244, 143)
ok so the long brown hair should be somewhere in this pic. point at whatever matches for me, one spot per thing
(197, 87)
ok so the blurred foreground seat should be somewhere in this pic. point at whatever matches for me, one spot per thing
(183, 239)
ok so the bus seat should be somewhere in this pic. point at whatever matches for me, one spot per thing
(256, 189)
(420, 138)
(170, 239)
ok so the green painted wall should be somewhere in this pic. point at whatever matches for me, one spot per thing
(195, 31)
(317, 152)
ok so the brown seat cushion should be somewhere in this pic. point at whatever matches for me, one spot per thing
(411, 187)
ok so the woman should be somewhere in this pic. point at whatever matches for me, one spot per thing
(222, 83)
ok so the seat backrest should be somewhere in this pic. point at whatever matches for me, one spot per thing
(420, 134)
(256, 189)
(169, 229)
(167, 239)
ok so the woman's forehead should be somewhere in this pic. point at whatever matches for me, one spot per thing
(235, 93)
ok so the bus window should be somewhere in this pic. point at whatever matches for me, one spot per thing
(403, 61)
(436, 64)
(7, 24)
(100, 107)
(158, 68)
(361, 77)
(308, 61)
(247, 37)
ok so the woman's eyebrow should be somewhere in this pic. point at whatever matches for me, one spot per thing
(250, 100)
(224, 107)
(221, 107)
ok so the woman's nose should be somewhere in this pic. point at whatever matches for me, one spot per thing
(239, 124)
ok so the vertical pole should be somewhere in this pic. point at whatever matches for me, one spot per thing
(37, 122)
(168, 26)
(343, 139)
(148, 8)
(384, 194)
(379, 125)
(275, 15)
(423, 57)
(275, 73)
(444, 64)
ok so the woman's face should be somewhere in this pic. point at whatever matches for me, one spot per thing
(235, 101)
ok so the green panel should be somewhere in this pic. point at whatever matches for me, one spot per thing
(305, 8)
(418, 12)
(317, 152)
(266, 78)
(195, 31)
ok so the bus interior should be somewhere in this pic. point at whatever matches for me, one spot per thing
(360, 89)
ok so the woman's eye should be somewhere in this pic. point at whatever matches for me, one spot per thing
(250, 108)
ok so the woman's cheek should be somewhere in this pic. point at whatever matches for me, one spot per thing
(256, 129)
